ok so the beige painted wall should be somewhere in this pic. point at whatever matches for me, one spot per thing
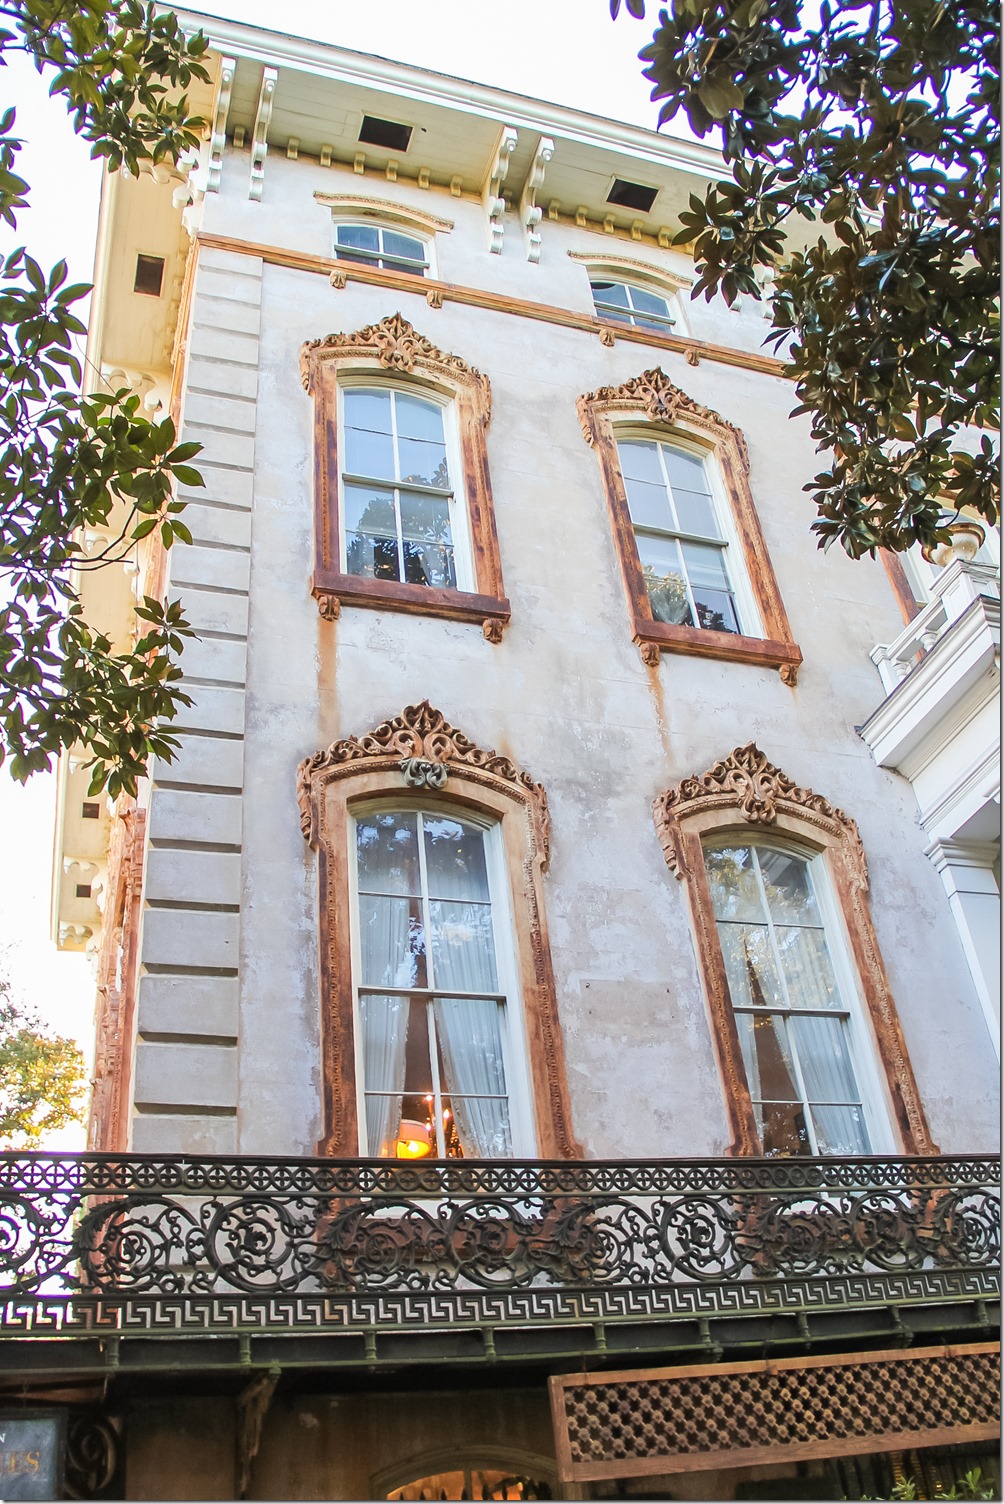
(565, 694)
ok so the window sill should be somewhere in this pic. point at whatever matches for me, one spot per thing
(656, 637)
(332, 591)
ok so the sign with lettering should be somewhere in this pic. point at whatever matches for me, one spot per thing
(32, 1449)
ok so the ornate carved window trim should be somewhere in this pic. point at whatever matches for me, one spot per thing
(654, 399)
(414, 750)
(745, 791)
(394, 348)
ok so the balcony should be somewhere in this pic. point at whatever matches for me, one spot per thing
(119, 1261)
(948, 654)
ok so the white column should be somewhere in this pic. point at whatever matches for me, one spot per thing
(967, 872)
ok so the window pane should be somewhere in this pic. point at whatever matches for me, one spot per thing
(368, 510)
(384, 1023)
(841, 1130)
(696, 513)
(648, 504)
(463, 946)
(710, 585)
(783, 1133)
(825, 1060)
(372, 558)
(455, 860)
(430, 564)
(391, 942)
(807, 968)
(749, 965)
(368, 409)
(395, 244)
(788, 887)
(387, 853)
(368, 453)
(423, 463)
(735, 892)
(686, 471)
(366, 236)
(649, 302)
(767, 1057)
(417, 419)
(664, 581)
(610, 293)
(640, 461)
(425, 518)
(470, 1041)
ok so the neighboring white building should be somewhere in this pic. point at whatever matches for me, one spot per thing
(520, 836)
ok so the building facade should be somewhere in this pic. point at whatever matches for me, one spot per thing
(524, 974)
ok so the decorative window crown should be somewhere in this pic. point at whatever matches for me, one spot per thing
(654, 396)
(397, 346)
(758, 791)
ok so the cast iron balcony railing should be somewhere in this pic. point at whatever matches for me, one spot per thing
(99, 1244)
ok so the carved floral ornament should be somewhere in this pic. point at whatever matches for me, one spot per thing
(397, 346)
(748, 783)
(425, 749)
(654, 396)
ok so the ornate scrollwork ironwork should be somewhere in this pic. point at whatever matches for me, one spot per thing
(79, 1231)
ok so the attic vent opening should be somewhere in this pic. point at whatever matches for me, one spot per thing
(632, 195)
(388, 133)
(83, 890)
(149, 275)
(90, 811)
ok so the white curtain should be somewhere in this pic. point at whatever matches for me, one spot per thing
(391, 941)
(471, 1043)
(824, 1056)
(385, 1035)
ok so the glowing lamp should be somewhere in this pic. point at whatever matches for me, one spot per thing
(414, 1139)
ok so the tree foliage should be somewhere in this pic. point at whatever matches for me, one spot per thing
(42, 1084)
(72, 463)
(878, 120)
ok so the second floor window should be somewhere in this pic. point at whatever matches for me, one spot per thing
(398, 501)
(681, 546)
(627, 304)
(375, 246)
(434, 1020)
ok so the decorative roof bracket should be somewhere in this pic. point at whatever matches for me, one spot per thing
(529, 213)
(492, 197)
(221, 109)
(259, 141)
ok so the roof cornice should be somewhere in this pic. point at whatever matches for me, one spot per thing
(279, 49)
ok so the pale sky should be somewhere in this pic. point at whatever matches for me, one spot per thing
(565, 51)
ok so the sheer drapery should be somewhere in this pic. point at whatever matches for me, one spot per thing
(385, 1037)
(471, 1042)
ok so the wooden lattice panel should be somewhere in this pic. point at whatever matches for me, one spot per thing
(674, 1420)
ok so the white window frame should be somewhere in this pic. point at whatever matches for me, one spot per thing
(383, 226)
(750, 622)
(863, 1056)
(668, 324)
(514, 1042)
(463, 554)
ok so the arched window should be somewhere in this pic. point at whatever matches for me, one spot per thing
(627, 303)
(398, 504)
(794, 1013)
(375, 245)
(808, 1040)
(403, 515)
(682, 538)
(695, 565)
(437, 1006)
(439, 1023)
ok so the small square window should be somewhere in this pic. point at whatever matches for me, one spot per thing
(83, 890)
(90, 810)
(149, 275)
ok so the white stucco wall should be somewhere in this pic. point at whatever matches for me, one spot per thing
(565, 694)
